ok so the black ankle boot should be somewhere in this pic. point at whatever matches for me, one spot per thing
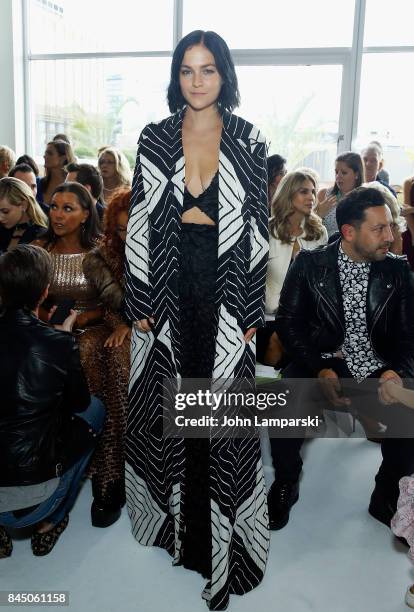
(381, 507)
(280, 499)
(106, 506)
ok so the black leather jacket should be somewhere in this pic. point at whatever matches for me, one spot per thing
(310, 318)
(42, 385)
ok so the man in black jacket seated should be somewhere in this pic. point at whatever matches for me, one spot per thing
(45, 444)
(347, 311)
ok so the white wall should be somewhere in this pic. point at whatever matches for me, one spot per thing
(12, 122)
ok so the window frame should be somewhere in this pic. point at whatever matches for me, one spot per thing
(349, 57)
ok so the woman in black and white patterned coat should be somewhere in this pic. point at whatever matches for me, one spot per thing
(196, 266)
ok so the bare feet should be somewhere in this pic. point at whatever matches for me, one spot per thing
(44, 527)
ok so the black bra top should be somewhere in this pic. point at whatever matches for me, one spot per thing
(207, 201)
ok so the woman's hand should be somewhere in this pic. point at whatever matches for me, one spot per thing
(81, 320)
(387, 393)
(46, 315)
(144, 325)
(68, 323)
(88, 317)
(249, 334)
(325, 206)
(118, 336)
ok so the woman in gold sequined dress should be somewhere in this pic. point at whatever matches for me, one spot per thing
(72, 234)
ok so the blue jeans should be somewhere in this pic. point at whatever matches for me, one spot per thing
(55, 507)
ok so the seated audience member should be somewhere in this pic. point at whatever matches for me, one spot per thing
(345, 311)
(349, 174)
(276, 170)
(104, 270)
(26, 159)
(408, 191)
(57, 155)
(383, 174)
(48, 422)
(408, 212)
(88, 176)
(25, 173)
(398, 224)
(115, 171)
(7, 160)
(293, 226)
(373, 163)
(63, 137)
(21, 218)
(73, 232)
(402, 523)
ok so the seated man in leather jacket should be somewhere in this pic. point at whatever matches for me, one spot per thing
(347, 311)
(45, 444)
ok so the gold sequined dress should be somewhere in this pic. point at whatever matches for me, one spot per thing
(106, 370)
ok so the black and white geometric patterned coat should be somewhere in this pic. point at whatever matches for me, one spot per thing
(154, 470)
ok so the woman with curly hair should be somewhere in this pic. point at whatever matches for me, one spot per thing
(115, 171)
(293, 226)
(103, 268)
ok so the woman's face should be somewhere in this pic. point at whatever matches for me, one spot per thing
(304, 198)
(106, 165)
(53, 159)
(121, 227)
(275, 183)
(11, 214)
(66, 214)
(345, 177)
(200, 80)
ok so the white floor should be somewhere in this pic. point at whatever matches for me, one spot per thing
(331, 557)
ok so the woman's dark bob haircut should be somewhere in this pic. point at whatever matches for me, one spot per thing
(229, 97)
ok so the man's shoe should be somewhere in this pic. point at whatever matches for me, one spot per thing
(6, 544)
(280, 499)
(381, 508)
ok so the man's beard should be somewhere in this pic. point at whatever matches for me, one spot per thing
(375, 255)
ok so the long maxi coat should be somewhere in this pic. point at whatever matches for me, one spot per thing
(154, 465)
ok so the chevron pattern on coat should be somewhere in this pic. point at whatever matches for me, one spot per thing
(155, 465)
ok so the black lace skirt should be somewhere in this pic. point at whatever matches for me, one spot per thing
(198, 328)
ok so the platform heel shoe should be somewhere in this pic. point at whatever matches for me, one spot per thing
(107, 506)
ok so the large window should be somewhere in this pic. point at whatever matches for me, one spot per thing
(317, 77)
(274, 24)
(77, 26)
(97, 101)
(299, 113)
(389, 23)
(385, 114)
(385, 108)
